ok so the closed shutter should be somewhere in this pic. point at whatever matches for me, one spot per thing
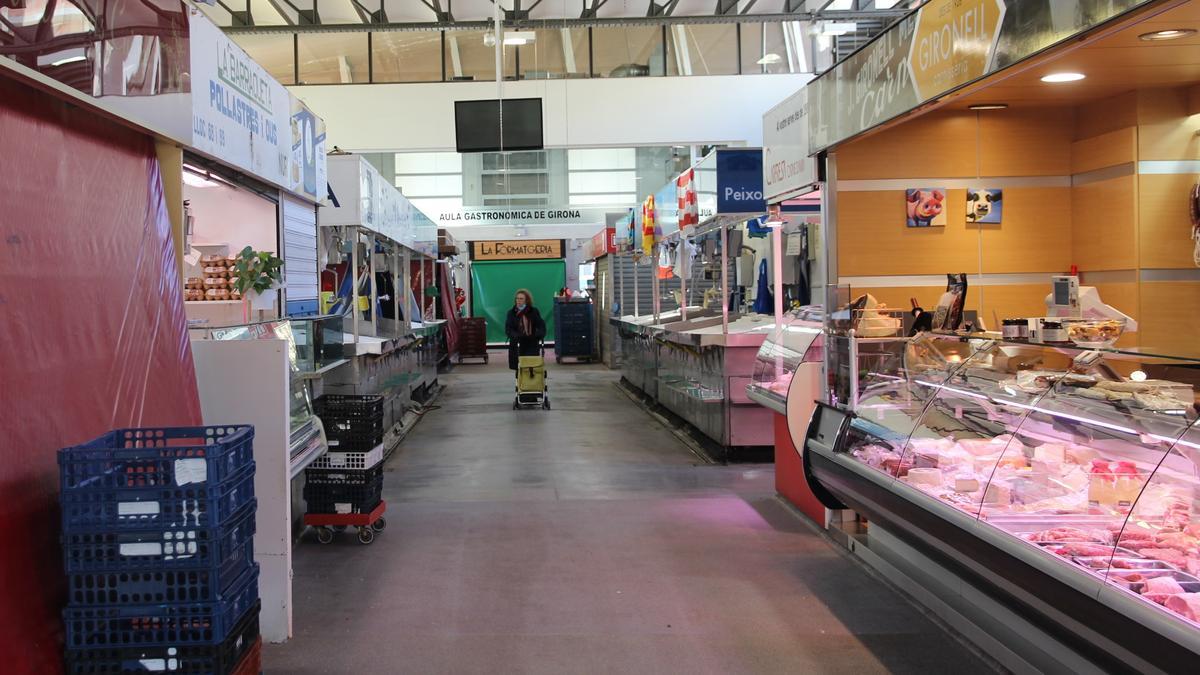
(300, 256)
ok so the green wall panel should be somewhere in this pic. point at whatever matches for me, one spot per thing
(493, 284)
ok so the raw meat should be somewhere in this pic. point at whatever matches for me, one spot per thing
(1177, 540)
(1072, 534)
(1082, 550)
(1167, 555)
(1164, 585)
(1186, 605)
(1159, 598)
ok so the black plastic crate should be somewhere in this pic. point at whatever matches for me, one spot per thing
(341, 491)
(158, 507)
(184, 659)
(352, 423)
(133, 459)
(164, 624)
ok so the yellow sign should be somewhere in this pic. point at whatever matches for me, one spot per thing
(517, 249)
(953, 44)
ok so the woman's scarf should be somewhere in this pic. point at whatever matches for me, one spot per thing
(526, 326)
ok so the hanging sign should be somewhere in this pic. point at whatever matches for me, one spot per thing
(603, 243)
(517, 249)
(787, 168)
(527, 215)
(740, 181)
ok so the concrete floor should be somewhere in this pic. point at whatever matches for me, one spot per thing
(587, 539)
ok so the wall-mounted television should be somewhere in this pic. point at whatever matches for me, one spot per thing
(477, 125)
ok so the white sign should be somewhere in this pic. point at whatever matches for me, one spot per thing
(240, 114)
(787, 168)
(522, 215)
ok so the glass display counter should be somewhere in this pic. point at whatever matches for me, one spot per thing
(1049, 466)
(800, 341)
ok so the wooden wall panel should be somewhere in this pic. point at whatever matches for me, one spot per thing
(1170, 317)
(1106, 115)
(1166, 131)
(1165, 227)
(872, 238)
(940, 144)
(1104, 222)
(1035, 235)
(1029, 142)
(1110, 149)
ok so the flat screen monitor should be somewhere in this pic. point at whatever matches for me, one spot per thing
(477, 125)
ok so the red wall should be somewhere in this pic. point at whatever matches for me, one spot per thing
(92, 333)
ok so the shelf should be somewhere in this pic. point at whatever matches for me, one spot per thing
(212, 302)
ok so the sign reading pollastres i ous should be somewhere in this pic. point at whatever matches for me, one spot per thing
(787, 168)
(740, 181)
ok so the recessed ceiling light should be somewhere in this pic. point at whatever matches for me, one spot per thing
(769, 59)
(988, 106)
(1168, 34)
(1055, 78)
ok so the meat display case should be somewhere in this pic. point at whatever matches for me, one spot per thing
(1063, 482)
(800, 341)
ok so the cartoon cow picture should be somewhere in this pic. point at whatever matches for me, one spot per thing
(984, 205)
(926, 207)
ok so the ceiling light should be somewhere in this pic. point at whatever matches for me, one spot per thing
(1056, 78)
(769, 59)
(1168, 34)
(69, 59)
(988, 106)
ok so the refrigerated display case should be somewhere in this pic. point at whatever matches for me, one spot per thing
(1062, 480)
(800, 340)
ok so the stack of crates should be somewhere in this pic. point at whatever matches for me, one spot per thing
(472, 341)
(348, 478)
(574, 336)
(158, 545)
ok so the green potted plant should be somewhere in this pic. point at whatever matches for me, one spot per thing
(256, 275)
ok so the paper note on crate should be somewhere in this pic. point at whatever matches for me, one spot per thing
(191, 470)
(343, 508)
(137, 509)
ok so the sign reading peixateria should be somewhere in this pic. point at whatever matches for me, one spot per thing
(517, 249)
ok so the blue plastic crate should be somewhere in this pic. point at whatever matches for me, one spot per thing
(133, 459)
(161, 624)
(157, 508)
(188, 659)
(213, 548)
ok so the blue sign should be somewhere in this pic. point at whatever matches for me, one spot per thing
(740, 181)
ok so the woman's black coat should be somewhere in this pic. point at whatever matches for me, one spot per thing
(519, 345)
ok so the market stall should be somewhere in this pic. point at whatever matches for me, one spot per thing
(370, 244)
(1010, 422)
(692, 351)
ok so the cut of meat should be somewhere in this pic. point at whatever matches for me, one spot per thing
(1164, 585)
(1176, 540)
(1072, 534)
(1082, 550)
(1167, 555)
(1186, 605)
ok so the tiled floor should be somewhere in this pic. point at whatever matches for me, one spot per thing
(587, 539)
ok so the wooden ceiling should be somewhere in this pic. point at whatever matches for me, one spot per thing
(1115, 64)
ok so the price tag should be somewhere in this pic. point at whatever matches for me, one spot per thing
(958, 413)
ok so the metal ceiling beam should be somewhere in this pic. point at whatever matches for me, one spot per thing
(663, 9)
(887, 16)
(725, 7)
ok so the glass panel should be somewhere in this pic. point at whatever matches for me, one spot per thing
(514, 161)
(555, 53)
(602, 181)
(516, 184)
(1158, 558)
(333, 58)
(518, 201)
(702, 49)
(406, 56)
(624, 200)
(275, 53)
(800, 341)
(627, 51)
(468, 57)
(764, 49)
(602, 158)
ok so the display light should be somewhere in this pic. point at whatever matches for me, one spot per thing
(988, 106)
(1058, 78)
(1168, 34)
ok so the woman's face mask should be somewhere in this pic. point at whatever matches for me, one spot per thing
(520, 302)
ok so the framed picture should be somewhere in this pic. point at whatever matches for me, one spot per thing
(985, 205)
(925, 207)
